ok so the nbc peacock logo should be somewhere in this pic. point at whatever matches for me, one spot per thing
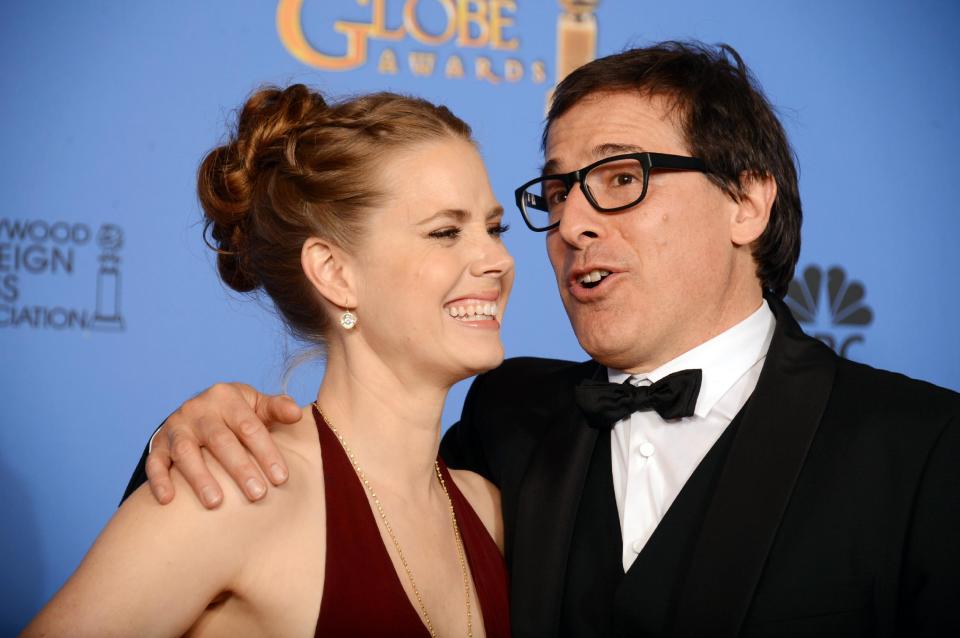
(832, 306)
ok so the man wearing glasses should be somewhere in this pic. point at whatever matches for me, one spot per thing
(711, 470)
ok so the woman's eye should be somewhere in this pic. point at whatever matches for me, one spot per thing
(498, 229)
(445, 233)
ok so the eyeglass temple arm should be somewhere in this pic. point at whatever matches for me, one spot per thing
(660, 160)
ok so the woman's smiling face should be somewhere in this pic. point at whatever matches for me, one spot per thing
(432, 274)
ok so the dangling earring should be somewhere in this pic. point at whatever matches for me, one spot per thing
(348, 320)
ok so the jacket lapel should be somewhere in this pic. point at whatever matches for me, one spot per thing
(546, 513)
(766, 457)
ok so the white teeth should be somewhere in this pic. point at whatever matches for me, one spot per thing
(593, 276)
(475, 312)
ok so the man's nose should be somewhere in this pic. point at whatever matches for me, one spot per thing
(580, 223)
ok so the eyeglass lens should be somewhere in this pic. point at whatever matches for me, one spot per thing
(611, 185)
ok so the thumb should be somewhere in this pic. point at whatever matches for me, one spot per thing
(277, 409)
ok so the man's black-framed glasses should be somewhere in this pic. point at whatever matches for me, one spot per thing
(610, 185)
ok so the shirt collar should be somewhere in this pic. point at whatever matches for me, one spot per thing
(723, 359)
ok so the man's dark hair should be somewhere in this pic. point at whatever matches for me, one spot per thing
(727, 122)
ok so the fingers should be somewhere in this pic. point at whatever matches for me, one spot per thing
(185, 453)
(158, 472)
(233, 431)
(200, 423)
(227, 419)
(218, 416)
(248, 423)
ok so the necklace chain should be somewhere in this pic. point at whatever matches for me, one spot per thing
(393, 537)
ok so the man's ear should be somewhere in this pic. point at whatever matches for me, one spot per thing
(752, 213)
(328, 269)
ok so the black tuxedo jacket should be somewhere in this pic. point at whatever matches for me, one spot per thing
(836, 510)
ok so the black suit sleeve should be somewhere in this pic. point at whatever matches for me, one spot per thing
(931, 583)
(462, 446)
(139, 476)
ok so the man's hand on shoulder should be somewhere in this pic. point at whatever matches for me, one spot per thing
(228, 419)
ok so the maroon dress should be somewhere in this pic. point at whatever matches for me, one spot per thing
(362, 592)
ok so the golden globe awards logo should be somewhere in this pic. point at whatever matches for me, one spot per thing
(60, 275)
(832, 306)
(482, 32)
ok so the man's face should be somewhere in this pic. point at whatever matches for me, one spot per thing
(676, 276)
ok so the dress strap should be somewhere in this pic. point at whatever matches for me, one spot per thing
(362, 593)
(487, 566)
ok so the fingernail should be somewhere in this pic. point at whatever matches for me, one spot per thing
(255, 488)
(278, 473)
(210, 495)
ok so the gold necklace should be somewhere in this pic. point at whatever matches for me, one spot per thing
(393, 537)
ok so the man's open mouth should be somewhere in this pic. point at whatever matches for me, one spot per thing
(593, 278)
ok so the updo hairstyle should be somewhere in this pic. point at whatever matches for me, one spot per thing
(297, 167)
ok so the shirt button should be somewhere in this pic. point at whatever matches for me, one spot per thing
(646, 450)
(637, 546)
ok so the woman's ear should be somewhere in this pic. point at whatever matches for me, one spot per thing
(328, 269)
(752, 213)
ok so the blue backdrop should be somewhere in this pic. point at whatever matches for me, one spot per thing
(110, 309)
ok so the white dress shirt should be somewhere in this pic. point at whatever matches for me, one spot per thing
(653, 458)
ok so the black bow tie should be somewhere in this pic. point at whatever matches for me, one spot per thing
(673, 397)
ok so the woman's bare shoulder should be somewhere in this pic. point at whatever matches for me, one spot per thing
(484, 498)
(154, 568)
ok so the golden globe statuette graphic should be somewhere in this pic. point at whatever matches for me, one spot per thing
(107, 315)
(576, 37)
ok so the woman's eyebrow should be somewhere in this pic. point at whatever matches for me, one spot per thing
(457, 214)
(496, 211)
